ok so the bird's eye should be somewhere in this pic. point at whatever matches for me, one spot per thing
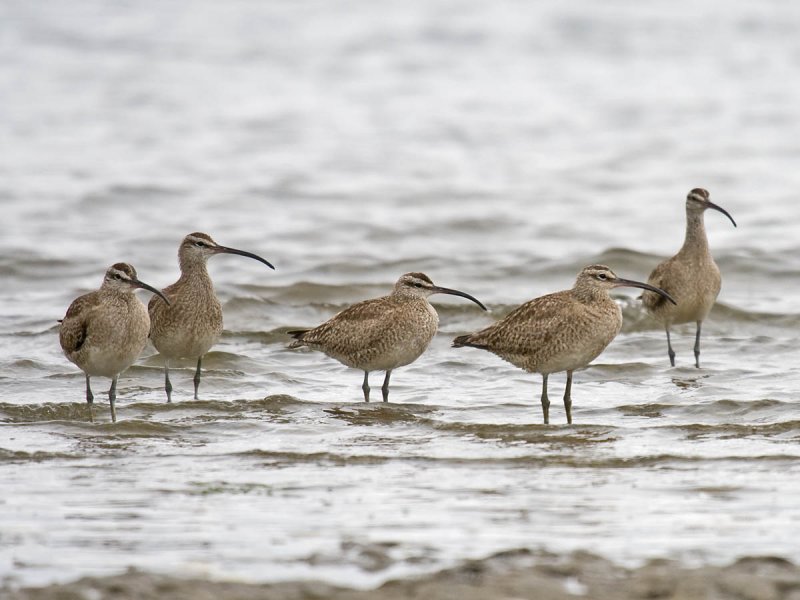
(417, 284)
(200, 244)
(602, 276)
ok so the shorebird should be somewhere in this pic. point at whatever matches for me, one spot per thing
(558, 332)
(381, 334)
(691, 276)
(192, 322)
(105, 331)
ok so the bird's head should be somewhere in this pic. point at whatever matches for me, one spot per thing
(697, 202)
(199, 247)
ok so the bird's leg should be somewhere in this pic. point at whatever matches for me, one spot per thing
(385, 386)
(90, 400)
(568, 397)
(89, 394)
(697, 346)
(197, 377)
(670, 351)
(167, 382)
(545, 401)
(112, 396)
(365, 386)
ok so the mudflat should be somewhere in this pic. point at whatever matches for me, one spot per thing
(506, 576)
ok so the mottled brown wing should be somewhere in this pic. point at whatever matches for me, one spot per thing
(359, 326)
(527, 327)
(659, 278)
(72, 331)
(156, 305)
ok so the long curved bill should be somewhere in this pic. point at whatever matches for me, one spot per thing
(441, 290)
(150, 288)
(722, 210)
(645, 286)
(226, 250)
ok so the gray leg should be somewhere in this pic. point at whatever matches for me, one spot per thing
(167, 383)
(90, 399)
(670, 351)
(197, 377)
(697, 346)
(365, 386)
(568, 397)
(385, 386)
(89, 394)
(112, 396)
(545, 401)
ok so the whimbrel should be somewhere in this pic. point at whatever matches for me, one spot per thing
(691, 276)
(192, 323)
(563, 331)
(105, 331)
(381, 334)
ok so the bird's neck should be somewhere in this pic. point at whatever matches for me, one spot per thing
(195, 274)
(587, 294)
(695, 240)
(116, 295)
(406, 295)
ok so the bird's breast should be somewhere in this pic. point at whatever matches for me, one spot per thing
(694, 282)
(408, 336)
(582, 339)
(189, 326)
(115, 337)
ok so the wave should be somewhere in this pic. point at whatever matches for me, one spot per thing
(48, 411)
(22, 456)
(279, 458)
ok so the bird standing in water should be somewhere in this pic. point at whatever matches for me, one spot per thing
(105, 331)
(691, 276)
(558, 332)
(191, 323)
(381, 334)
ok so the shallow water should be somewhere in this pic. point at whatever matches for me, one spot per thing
(498, 147)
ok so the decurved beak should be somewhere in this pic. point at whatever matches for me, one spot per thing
(722, 210)
(226, 250)
(645, 286)
(441, 290)
(150, 288)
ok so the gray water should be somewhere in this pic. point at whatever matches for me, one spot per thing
(497, 147)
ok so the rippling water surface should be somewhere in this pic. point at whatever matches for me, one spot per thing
(498, 147)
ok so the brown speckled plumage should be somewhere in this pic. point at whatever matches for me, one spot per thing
(558, 332)
(381, 334)
(105, 331)
(192, 323)
(691, 276)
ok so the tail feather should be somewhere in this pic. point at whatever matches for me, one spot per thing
(466, 340)
(297, 334)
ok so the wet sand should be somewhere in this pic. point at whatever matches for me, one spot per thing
(508, 575)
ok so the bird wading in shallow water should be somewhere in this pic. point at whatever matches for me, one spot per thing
(191, 323)
(105, 331)
(381, 334)
(691, 276)
(558, 332)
